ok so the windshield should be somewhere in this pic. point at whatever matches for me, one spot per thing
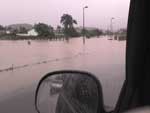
(41, 36)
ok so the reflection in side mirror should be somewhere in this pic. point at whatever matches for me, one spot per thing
(69, 92)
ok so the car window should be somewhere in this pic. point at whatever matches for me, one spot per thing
(41, 36)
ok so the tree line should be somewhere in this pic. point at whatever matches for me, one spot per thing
(68, 29)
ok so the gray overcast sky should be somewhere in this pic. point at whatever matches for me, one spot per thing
(49, 11)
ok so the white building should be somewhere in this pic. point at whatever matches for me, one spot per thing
(31, 32)
(8, 32)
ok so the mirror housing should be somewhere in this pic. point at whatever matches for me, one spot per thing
(69, 91)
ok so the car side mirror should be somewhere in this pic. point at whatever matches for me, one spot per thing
(69, 92)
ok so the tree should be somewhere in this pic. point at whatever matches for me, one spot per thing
(14, 31)
(51, 29)
(93, 32)
(59, 28)
(97, 32)
(67, 21)
(2, 28)
(44, 30)
(23, 30)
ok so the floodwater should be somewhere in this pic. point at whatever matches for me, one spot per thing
(27, 63)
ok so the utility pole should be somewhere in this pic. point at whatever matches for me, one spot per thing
(84, 24)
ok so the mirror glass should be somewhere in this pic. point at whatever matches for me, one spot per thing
(67, 93)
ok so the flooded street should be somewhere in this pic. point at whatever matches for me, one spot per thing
(100, 56)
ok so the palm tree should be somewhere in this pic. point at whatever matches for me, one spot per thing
(67, 21)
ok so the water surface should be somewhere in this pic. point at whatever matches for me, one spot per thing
(100, 56)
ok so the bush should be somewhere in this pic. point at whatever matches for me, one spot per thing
(44, 30)
(92, 33)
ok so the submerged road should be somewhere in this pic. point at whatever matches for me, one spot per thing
(105, 59)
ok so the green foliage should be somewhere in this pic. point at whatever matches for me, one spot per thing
(44, 30)
(71, 32)
(96, 32)
(67, 21)
(23, 30)
(59, 28)
(14, 31)
(2, 28)
(92, 33)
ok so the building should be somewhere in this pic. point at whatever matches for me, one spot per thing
(31, 32)
(8, 32)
